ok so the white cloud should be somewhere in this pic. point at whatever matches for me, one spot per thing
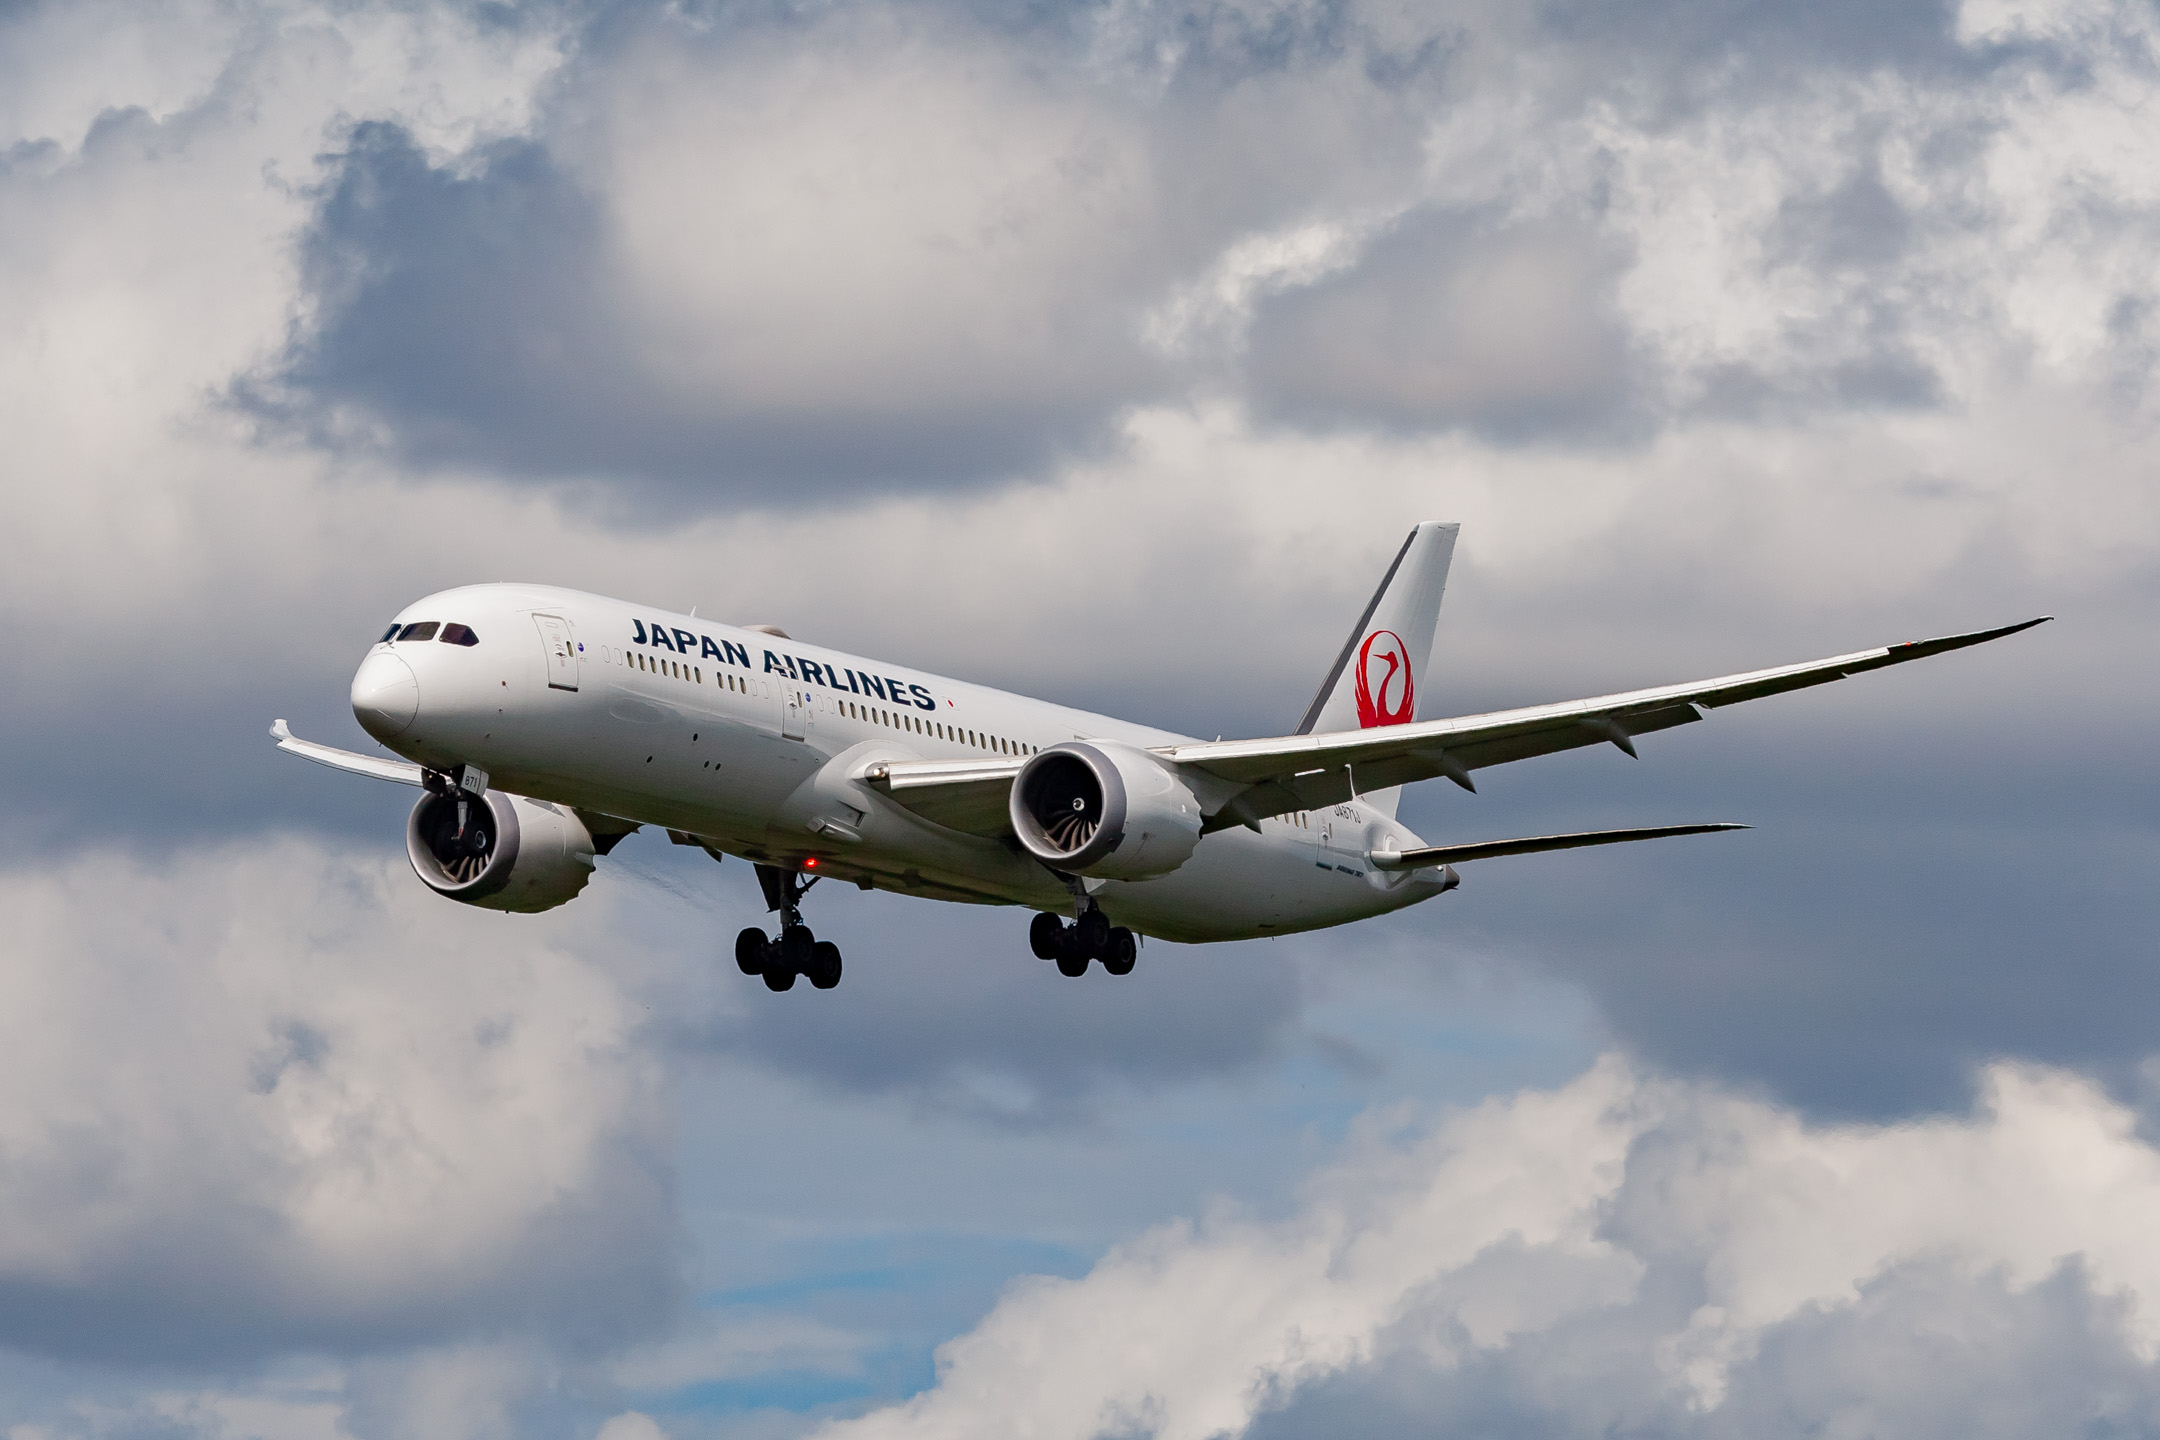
(1512, 1231)
(1218, 305)
(268, 1096)
(631, 1425)
(874, 216)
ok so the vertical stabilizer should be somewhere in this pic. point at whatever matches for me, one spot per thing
(1381, 678)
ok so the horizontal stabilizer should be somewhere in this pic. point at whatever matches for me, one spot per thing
(1485, 850)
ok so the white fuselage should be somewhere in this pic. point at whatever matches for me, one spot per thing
(755, 745)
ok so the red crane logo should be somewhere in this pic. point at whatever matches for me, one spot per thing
(1383, 675)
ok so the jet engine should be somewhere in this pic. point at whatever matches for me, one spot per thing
(1104, 810)
(503, 852)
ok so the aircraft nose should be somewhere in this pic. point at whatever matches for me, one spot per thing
(385, 695)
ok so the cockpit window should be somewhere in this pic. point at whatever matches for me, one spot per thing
(456, 634)
(390, 634)
(419, 630)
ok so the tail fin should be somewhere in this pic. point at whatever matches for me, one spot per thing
(1379, 679)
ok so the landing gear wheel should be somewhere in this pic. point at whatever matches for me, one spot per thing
(1072, 960)
(750, 951)
(796, 949)
(779, 977)
(824, 966)
(1044, 933)
(1123, 951)
(1093, 930)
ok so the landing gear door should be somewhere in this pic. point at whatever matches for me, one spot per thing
(562, 660)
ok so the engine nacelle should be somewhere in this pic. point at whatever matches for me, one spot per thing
(1104, 810)
(514, 853)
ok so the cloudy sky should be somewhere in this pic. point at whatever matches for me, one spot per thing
(1103, 351)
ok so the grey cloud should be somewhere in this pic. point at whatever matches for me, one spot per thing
(773, 258)
(955, 303)
(1449, 321)
(949, 1008)
(1904, 912)
(1856, 223)
(1699, 51)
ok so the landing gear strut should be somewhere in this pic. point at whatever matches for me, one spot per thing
(796, 951)
(1091, 936)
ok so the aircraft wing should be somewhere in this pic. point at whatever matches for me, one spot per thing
(1434, 855)
(377, 767)
(1243, 781)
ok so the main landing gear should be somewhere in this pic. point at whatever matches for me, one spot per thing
(1090, 937)
(797, 951)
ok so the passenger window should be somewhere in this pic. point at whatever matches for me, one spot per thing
(456, 634)
(419, 630)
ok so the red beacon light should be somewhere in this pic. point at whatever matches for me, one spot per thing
(810, 864)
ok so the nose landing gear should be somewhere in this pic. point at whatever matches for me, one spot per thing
(1090, 937)
(796, 951)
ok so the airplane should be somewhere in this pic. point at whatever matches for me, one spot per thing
(545, 724)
